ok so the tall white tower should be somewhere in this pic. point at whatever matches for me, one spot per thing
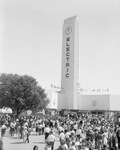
(70, 63)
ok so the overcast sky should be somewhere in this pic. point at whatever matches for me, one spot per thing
(31, 40)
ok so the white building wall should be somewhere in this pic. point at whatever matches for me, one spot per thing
(86, 102)
(94, 102)
(115, 102)
(62, 102)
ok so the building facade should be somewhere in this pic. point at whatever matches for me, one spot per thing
(68, 97)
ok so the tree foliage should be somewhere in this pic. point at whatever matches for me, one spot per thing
(21, 93)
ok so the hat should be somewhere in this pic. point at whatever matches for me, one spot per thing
(63, 147)
(51, 132)
(25, 128)
(104, 145)
(62, 141)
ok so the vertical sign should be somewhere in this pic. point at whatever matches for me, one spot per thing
(70, 60)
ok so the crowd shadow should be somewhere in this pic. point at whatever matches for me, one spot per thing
(39, 142)
(17, 143)
(12, 137)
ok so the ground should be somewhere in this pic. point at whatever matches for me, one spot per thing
(14, 143)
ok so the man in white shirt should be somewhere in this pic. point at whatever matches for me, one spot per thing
(63, 145)
(75, 127)
(62, 136)
(60, 129)
(78, 132)
(51, 140)
(47, 131)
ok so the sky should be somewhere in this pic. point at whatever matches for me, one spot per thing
(31, 40)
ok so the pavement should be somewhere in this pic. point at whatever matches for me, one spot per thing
(15, 143)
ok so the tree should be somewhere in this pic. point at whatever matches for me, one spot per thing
(21, 93)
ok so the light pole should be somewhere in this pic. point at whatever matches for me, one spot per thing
(69, 103)
(0, 83)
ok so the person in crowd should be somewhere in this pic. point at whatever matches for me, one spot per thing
(35, 147)
(43, 127)
(67, 137)
(51, 139)
(12, 128)
(118, 136)
(3, 129)
(105, 147)
(24, 134)
(37, 128)
(105, 137)
(40, 128)
(27, 135)
(72, 147)
(48, 145)
(61, 135)
(89, 143)
(78, 143)
(112, 140)
(63, 145)
(47, 131)
(96, 137)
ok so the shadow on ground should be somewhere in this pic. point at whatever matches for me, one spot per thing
(11, 137)
(17, 143)
(39, 142)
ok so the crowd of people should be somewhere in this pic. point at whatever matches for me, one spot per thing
(75, 132)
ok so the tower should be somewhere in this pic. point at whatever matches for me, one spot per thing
(70, 63)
